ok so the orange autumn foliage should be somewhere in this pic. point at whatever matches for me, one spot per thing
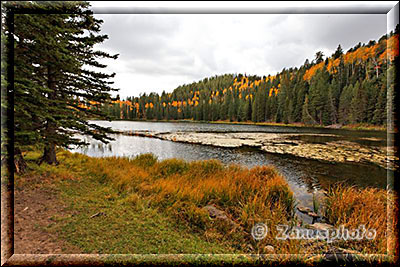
(393, 47)
(311, 71)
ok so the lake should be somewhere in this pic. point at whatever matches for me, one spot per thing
(304, 176)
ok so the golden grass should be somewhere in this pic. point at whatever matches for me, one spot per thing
(248, 196)
(365, 126)
(182, 189)
(352, 207)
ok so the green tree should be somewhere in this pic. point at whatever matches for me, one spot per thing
(260, 104)
(345, 104)
(52, 54)
(319, 57)
(231, 108)
(359, 104)
(306, 116)
(318, 97)
(380, 113)
(338, 52)
(333, 100)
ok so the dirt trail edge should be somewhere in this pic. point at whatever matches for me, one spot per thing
(35, 208)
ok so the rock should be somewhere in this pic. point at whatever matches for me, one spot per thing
(334, 126)
(269, 249)
(252, 143)
(348, 251)
(219, 215)
(320, 226)
(213, 211)
(98, 214)
(335, 254)
(304, 209)
(332, 151)
(313, 214)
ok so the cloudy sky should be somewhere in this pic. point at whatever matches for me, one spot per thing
(162, 51)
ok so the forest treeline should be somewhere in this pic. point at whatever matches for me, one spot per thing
(344, 88)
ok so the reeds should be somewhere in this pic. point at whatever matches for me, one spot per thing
(353, 207)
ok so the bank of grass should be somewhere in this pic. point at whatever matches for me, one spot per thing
(364, 127)
(355, 127)
(120, 224)
(167, 196)
(181, 189)
(149, 206)
(353, 207)
(296, 124)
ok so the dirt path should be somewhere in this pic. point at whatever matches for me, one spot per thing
(34, 210)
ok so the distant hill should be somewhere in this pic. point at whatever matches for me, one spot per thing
(346, 87)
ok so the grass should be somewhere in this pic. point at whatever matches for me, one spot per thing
(181, 189)
(315, 204)
(356, 127)
(150, 206)
(157, 206)
(352, 207)
(364, 127)
(295, 124)
(127, 224)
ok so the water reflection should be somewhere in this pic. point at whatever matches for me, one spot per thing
(216, 127)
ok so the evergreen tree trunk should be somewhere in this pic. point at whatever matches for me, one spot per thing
(19, 162)
(49, 155)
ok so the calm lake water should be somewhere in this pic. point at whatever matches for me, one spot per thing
(304, 176)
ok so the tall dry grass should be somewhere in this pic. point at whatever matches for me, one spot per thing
(353, 207)
(182, 189)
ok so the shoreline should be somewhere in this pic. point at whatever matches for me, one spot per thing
(95, 196)
(350, 127)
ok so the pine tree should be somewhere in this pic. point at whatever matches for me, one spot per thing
(248, 109)
(380, 113)
(333, 100)
(338, 52)
(260, 104)
(319, 57)
(345, 104)
(254, 109)
(242, 111)
(301, 93)
(52, 53)
(359, 104)
(231, 108)
(306, 116)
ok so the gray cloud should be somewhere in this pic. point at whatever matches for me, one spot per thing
(345, 29)
(160, 52)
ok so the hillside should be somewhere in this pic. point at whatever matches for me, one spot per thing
(344, 88)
